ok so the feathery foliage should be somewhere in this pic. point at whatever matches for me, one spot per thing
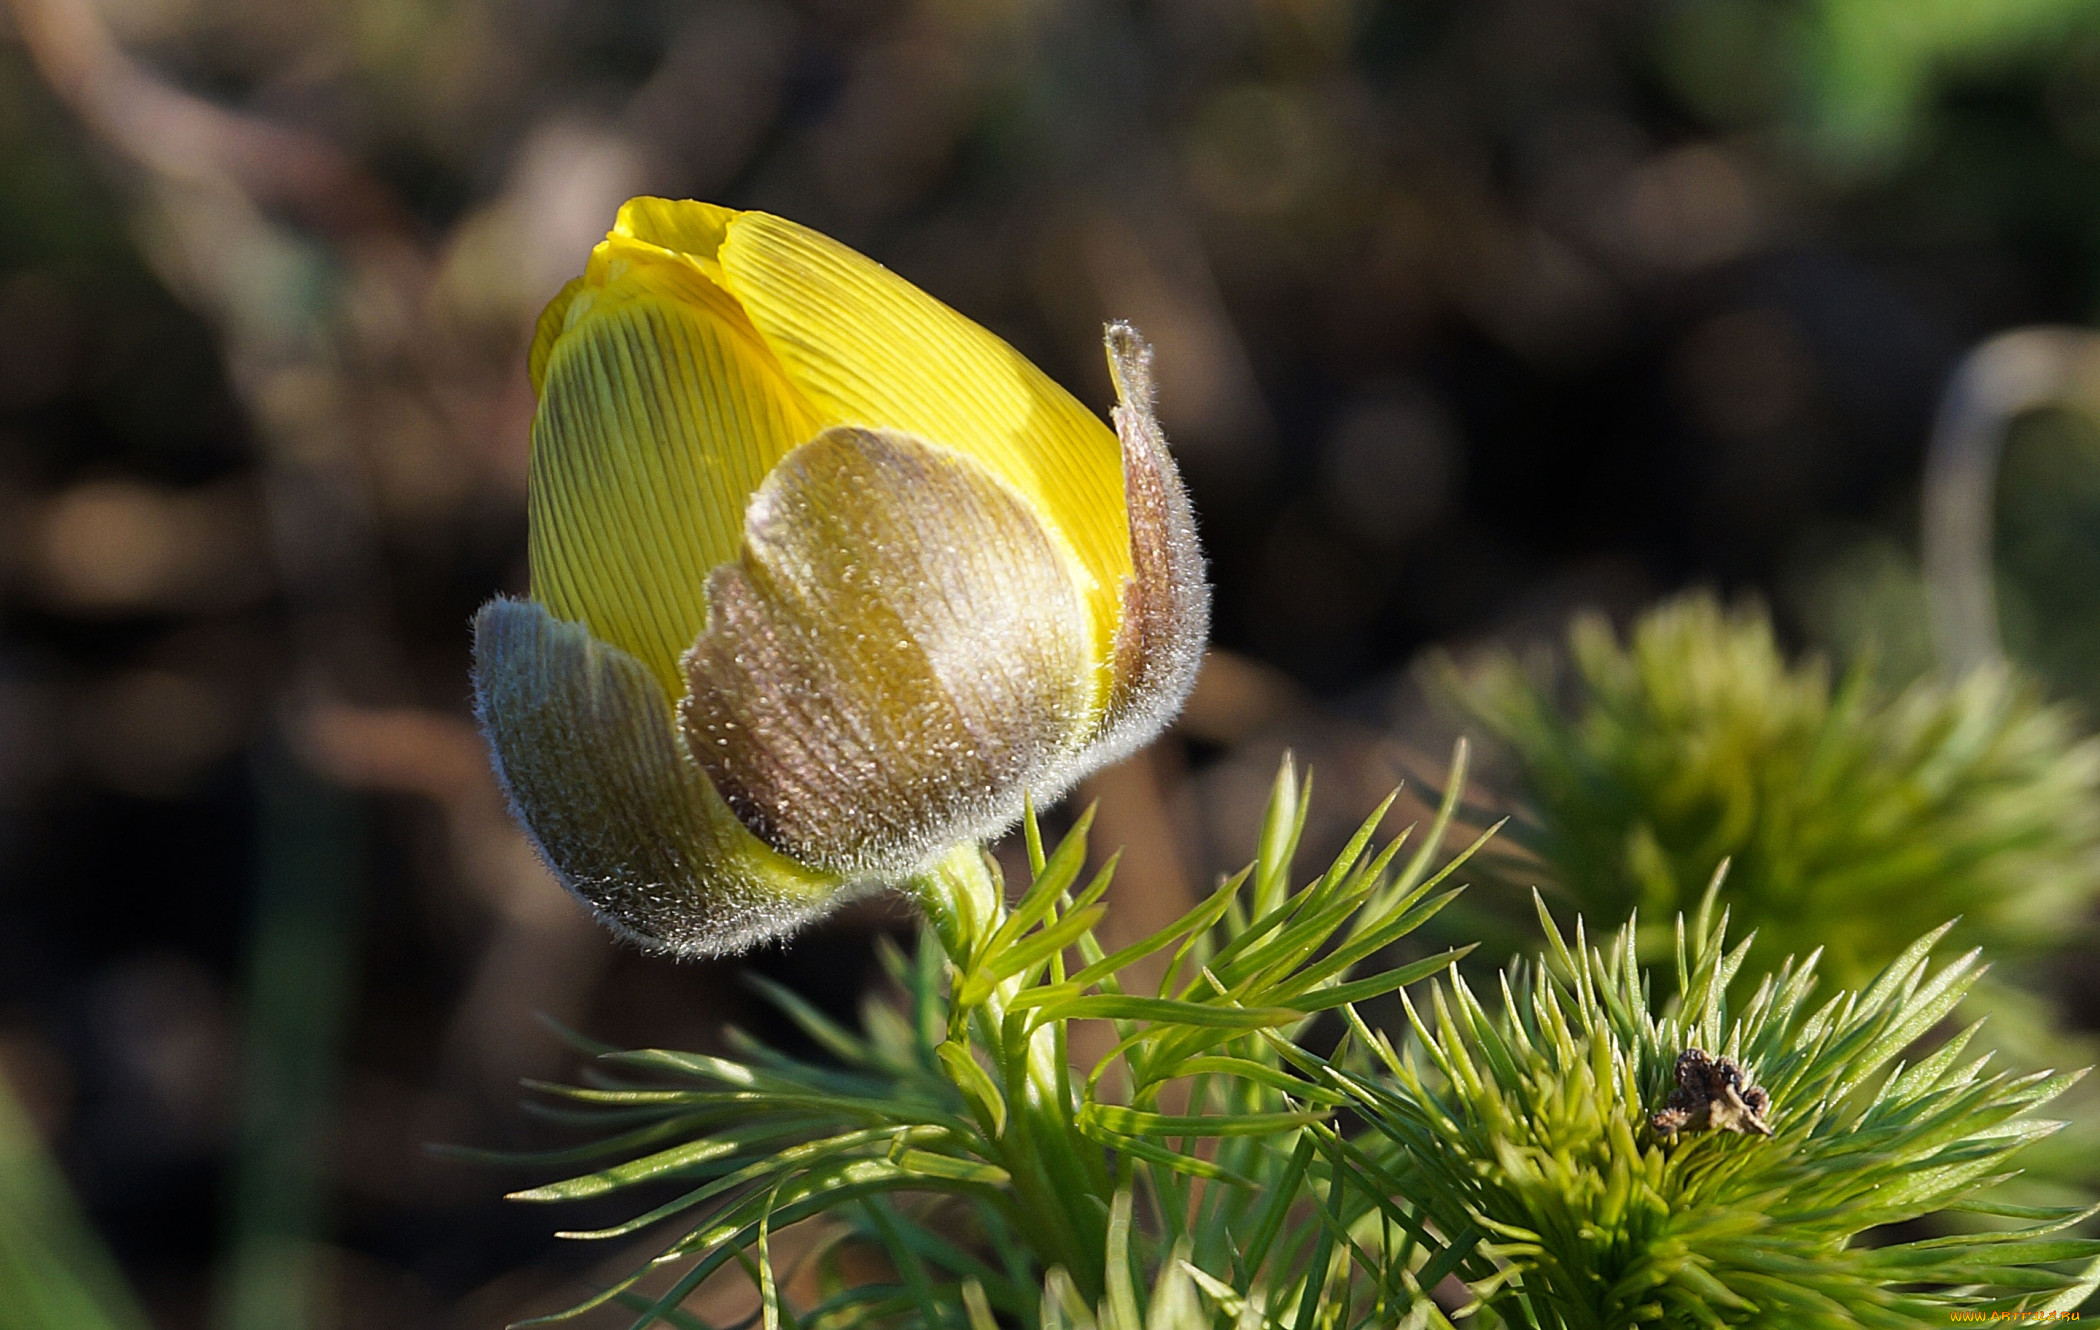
(1851, 821)
(996, 1179)
(1526, 1135)
(956, 1162)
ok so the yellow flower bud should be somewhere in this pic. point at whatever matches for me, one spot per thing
(825, 580)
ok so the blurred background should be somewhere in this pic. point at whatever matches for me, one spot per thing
(1469, 313)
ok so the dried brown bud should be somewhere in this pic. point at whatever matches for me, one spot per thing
(1712, 1094)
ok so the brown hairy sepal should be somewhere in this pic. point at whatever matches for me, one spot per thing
(899, 654)
(1166, 603)
(597, 773)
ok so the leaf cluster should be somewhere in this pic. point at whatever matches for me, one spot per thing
(1851, 820)
(1525, 1131)
(956, 1139)
(1219, 1161)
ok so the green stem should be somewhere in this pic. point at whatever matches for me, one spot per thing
(962, 900)
(301, 964)
(53, 1266)
(1041, 1147)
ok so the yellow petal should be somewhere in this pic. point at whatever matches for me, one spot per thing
(670, 234)
(684, 227)
(867, 348)
(899, 656)
(553, 322)
(661, 411)
(585, 749)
